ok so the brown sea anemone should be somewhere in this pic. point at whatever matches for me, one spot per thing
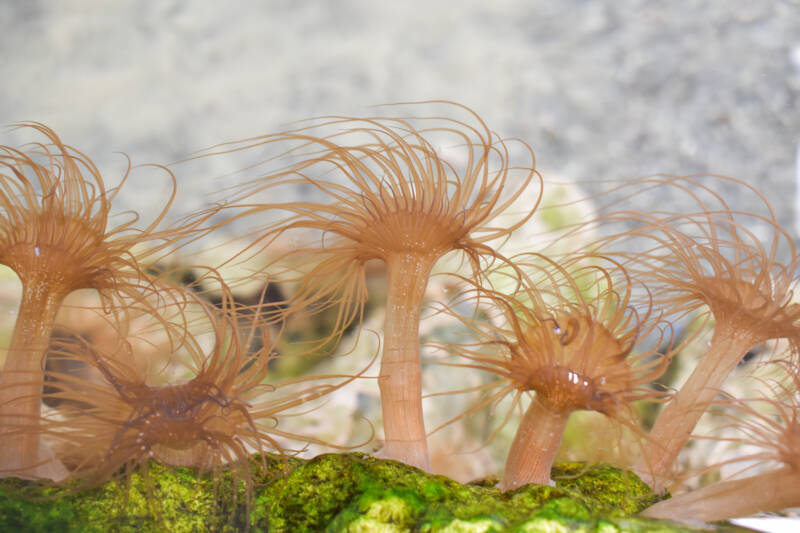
(568, 333)
(729, 265)
(55, 234)
(204, 402)
(768, 425)
(381, 188)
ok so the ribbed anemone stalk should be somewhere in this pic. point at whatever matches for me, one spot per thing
(772, 425)
(54, 217)
(711, 260)
(387, 193)
(567, 334)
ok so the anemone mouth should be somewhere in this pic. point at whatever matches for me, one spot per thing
(563, 390)
(33, 262)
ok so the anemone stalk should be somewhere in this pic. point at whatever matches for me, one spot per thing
(21, 394)
(401, 371)
(675, 423)
(766, 492)
(534, 448)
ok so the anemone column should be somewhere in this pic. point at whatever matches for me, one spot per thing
(674, 425)
(535, 445)
(767, 492)
(23, 377)
(401, 371)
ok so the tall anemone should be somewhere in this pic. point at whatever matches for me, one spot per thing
(405, 191)
(737, 269)
(55, 234)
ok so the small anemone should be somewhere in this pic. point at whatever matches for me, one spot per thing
(566, 332)
(708, 261)
(204, 403)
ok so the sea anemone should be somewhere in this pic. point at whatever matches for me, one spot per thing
(54, 233)
(193, 405)
(709, 260)
(567, 332)
(769, 424)
(388, 192)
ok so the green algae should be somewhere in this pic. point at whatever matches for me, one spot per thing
(179, 502)
(335, 492)
(603, 489)
(160, 499)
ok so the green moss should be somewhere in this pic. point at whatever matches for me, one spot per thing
(347, 492)
(162, 499)
(478, 525)
(603, 489)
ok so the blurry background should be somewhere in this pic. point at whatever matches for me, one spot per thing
(602, 90)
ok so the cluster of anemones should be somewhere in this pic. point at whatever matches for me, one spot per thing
(154, 370)
(562, 332)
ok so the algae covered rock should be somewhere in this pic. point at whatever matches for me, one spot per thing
(336, 492)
